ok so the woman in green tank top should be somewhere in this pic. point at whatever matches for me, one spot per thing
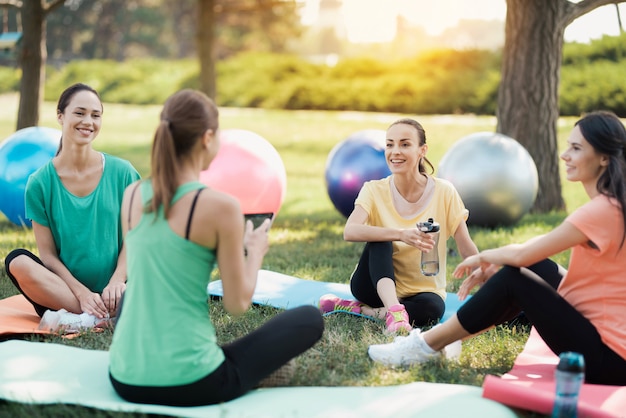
(164, 348)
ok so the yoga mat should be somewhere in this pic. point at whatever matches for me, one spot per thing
(40, 373)
(284, 291)
(17, 316)
(530, 385)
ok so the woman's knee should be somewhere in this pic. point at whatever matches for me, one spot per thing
(311, 316)
(18, 260)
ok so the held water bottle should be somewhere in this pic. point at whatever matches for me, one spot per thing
(430, 260)
(569, 376)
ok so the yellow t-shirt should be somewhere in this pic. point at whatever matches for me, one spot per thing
(595, 283)
(445, 207)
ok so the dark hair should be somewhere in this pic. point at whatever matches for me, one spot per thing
(185, 118)
(421, 135)
(66, 98)
(607, 135)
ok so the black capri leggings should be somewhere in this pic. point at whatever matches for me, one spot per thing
(248, 361)
(561, 326)
(40, 309)
(376, 262)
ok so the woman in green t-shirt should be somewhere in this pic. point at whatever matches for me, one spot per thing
(74, 203)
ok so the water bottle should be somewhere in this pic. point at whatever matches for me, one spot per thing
(430, 260)
(569, 376)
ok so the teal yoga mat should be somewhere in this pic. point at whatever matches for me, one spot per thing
(40, 373)
(284, 291)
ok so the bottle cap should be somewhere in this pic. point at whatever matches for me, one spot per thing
(571, 362)
(428, 226)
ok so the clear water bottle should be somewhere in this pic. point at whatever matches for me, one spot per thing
(430, 260)
(569, 376)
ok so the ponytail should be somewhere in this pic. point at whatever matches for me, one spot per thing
(164, 168)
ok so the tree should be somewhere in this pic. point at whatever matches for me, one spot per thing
(242, 24)
(528, 107)
(32, 58)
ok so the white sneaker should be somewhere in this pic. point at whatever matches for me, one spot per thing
(54, 321)
(403, 351)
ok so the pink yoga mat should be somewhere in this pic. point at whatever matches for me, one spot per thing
(530, 385)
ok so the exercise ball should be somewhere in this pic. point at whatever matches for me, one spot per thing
(21, 154)
(355, 160)
(495, 176)
(249, 168)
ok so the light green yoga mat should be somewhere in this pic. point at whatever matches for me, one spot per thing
(42, 373)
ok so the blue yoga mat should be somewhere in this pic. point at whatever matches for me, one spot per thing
(284, 292)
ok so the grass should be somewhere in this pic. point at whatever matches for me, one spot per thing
(306, 241)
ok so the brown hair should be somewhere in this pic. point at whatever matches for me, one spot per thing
(185, 118)
(607, 135)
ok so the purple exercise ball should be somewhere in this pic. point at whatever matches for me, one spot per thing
(355, 160)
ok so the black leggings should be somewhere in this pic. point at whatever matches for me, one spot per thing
(560, 325)
(376, 262)
(40, 309)
(248, 361)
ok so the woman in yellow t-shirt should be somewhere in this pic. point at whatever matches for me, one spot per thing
(387, 282)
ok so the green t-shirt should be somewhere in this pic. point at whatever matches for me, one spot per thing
(86, 230)
(164, 336)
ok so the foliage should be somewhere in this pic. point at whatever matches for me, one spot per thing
(607, 48)
(436, 82)
(121, 29)
(9, 79)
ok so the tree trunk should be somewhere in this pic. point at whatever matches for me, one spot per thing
(528, 97)
(32, 61)
(205, 41)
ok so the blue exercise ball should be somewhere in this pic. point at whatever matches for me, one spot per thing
(21, 154)
(355, 160)
(495, 176)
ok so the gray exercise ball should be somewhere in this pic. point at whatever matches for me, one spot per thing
(495, 176)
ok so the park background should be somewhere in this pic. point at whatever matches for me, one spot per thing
(305, 98)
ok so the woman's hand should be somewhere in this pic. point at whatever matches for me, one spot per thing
(477, 277)
(93, 304)
(256, 241)
(418, 239)
(112, 295)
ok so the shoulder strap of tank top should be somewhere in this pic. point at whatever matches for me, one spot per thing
(130, 205)
(193, 207)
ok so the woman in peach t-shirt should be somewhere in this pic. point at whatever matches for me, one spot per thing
(585, 313)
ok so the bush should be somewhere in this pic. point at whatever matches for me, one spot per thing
(593, 86)
(9, 79)
(436, 82)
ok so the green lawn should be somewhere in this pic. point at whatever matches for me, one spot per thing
(306, 241)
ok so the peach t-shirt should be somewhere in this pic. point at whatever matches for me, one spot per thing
(595, 283)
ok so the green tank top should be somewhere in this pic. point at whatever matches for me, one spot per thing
(164, 336)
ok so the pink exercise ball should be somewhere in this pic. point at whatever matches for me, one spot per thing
(249, 168)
